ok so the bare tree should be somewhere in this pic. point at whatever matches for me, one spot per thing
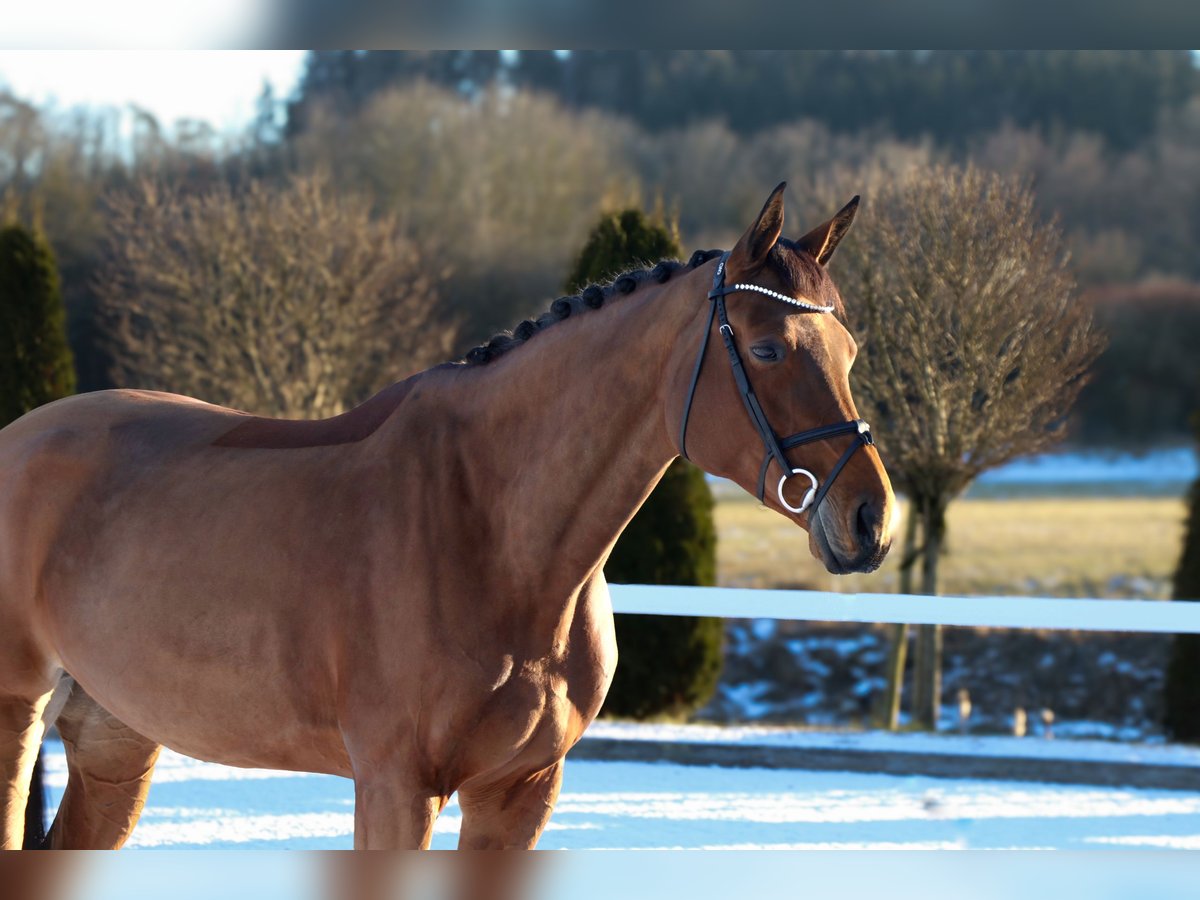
(287, 301)
(502, 186)
(974, 349)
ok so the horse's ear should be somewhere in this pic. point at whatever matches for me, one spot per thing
(823, 240)
(752, 248)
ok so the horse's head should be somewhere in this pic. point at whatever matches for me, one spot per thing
(766, 402)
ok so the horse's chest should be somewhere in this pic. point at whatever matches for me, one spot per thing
(530, 720)
(526, 709)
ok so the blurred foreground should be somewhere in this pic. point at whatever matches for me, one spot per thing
(632, 876)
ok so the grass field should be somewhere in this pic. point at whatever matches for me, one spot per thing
(1067, 547)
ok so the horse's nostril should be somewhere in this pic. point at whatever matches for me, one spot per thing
(868, 524)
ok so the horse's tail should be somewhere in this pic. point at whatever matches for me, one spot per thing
(35, 809)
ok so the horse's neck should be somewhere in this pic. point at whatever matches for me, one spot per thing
(571, 434)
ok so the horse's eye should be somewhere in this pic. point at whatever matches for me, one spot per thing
(764, 352)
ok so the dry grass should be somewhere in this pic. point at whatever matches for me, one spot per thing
(1068, 547)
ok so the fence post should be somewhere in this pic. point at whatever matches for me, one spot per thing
(888, 708)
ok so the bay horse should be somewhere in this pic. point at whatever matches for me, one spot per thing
(410, 594)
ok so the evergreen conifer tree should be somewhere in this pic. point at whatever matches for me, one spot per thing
(1182, 691)
(35, 367)
(35, 360)
(668, 665)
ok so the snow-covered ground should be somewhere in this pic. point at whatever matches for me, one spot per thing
(654, 805)
(1153, 754)
(1178, 464)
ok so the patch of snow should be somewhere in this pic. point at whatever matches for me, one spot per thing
(840, 646)
(1103, 731)
(813, 666)
(764, 629)
(891, 742)
(1163, 841)
(868, 686)
(1156, 467)
(745, 697)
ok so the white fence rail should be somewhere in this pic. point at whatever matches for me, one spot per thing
(1150, 616)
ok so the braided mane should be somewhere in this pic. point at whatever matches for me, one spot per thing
(592, 297)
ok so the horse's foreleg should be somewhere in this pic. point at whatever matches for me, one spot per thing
(21, 730)
(110, 766)
(393, 813)
(510, 815)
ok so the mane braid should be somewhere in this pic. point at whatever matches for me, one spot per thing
(591, 297)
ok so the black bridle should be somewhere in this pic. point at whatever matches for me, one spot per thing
(775, 447)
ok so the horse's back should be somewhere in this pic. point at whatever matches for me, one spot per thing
(81, 427)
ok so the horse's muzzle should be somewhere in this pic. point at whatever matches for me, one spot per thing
(860, 546)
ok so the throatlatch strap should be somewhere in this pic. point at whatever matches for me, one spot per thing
(687, 407)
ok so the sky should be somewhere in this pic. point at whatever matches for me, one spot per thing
(218, 86)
